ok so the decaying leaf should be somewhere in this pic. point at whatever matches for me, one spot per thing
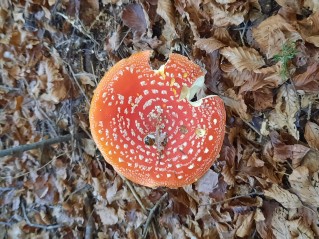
(303, 187)
(209, 44)
(237, 104)
(107, 215)
(312, 134)
(165, 9)
(133, 17)
(243, 58)
(309, 80)
(287, 106)
(272, 34)
(283, 196)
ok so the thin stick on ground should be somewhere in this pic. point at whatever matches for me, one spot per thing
(136, 196)
(46, 227)
(151, 214)
(27, 147)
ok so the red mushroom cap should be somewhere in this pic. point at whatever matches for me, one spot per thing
(146, 131)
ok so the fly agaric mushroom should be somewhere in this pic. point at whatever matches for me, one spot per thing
(147, 128)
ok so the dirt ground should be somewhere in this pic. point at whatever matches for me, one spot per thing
(261, 58)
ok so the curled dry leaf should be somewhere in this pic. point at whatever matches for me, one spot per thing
(309, 28)
(283, 196)
(237, 104)
(246, 224)
(228, 14)
(133, 17)
(208, 182)
(292, 5)
(307, 191)
(279, 224)
(107, 215)
(313, 5)
(312, 134)
(243, 58)
(300, 229)
(209, 44)
(272, 33)
(284, 115)
(309, 80)
(165, 9)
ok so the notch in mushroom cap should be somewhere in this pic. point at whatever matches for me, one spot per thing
(146, 131)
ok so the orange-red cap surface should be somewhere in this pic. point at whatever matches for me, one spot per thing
(146, 132)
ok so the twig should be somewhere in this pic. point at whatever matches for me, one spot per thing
(90, 226)
(128, 183)
(151, 214)
(145, 211)
(26, 147)
(77, 83)
(46, 227)
(232, 198)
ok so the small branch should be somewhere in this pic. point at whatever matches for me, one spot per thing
(232, 198)
(45, 227)
(128, 183)
(151, 214)
(26, 147)
(145, 211)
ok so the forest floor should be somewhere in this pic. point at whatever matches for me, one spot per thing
(261, 57)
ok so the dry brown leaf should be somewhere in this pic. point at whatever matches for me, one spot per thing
(272, 33)
(133, 17)
(107, 215)
(312, 134)
(292, 5)
(309, 27)
(313, 5)
(208, 182)
(165, 9)
(279, 224)
(287, 106)
(309, 80)
(254, 161)
(283, 196)
(57, 86)
(300, 229)
(229, 14)
(302, 186)
(225, 1)
(209, 44)
(295, 152)
(237, 104)
(243, 58)
(246, 225)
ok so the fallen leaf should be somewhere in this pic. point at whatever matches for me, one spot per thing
(299, 229)
(208, 182)
(133, 17)
(309, 80)
(272, 34)
(287, 106)
(107, 215)
(237, 104)
(165, 9)
(243, 58)
(312, 134)
(279, 224)
(302, 186)
(245, 225)
(209, 44)
(313, 5)
(283, 196)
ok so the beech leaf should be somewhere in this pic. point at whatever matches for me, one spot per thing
(243, 58)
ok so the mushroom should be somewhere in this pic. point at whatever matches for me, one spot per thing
(147, 127)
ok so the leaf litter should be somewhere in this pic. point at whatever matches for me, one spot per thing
(261, 57)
